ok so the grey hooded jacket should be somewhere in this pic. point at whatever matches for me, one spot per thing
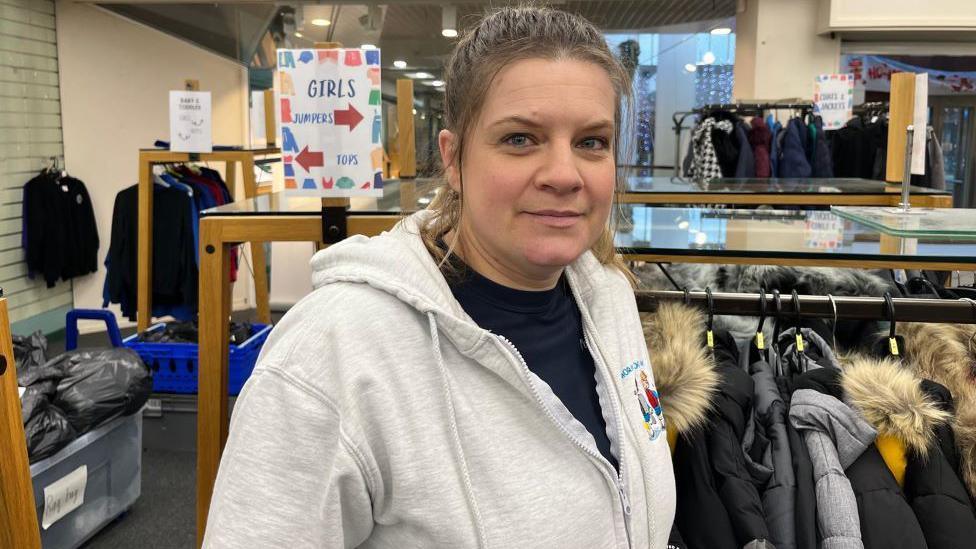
(381, 416)
(835, 435)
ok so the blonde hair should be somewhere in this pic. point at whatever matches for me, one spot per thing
(507, 35)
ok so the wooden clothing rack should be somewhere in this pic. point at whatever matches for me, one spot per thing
(18, 519)
(153, 157)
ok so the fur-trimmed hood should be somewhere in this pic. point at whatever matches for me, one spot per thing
(890, 397)
(946, 354)
(683, 367)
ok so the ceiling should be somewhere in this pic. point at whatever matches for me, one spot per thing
(249, 30)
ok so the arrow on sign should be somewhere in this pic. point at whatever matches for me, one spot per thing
(307, 159)
(349, 117)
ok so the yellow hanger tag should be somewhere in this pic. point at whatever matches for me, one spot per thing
(799, 343)
(893, 346)
(711, 338)
(760, 341)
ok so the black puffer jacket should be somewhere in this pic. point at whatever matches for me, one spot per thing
(934, 488)
(734, 467)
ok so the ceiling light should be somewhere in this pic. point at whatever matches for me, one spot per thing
(690, 67)
(449, 21)
(299, 35)
(368, 47)
(437, 83)
(321, 22)
(415, 111)
(683, 225)
(721, 31)
(400, 64)
(708, 58)
(421, 75)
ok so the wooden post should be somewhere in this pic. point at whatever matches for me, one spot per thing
(144, 247)
(212, 414)
(270, 119)
(900, 116)
(258, 259)
(18, 519)
(406, 140)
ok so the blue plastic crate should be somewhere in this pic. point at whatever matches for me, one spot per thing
(174, 365)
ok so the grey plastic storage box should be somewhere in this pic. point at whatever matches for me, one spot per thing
(111, 455)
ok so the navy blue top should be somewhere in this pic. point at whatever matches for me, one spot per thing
(547, 329)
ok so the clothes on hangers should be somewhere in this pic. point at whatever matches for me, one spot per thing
(59, 233)
(760, 137)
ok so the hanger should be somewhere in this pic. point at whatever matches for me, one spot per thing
(890, 312)
(777, 313)
(797, 325)
(709, 334)
(760, 339)
(687, 296)
(833, 325)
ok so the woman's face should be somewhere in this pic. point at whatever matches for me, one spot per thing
(538, 171)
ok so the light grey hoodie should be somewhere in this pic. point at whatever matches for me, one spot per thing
(835, 435)
(381, 416)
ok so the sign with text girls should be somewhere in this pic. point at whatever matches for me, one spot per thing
(329, 105)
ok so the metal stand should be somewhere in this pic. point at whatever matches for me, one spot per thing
(906, 179)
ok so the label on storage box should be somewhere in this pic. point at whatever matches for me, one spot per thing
(64, 496)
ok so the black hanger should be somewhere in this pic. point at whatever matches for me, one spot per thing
(797, 325)
(760, 339)
(890, 312)
(709, 334)
(777, 314)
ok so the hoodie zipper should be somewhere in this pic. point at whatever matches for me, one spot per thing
(624, 502)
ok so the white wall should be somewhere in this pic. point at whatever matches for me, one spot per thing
(778, 51)
(115, 81)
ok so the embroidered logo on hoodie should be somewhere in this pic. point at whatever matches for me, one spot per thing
(647, 397)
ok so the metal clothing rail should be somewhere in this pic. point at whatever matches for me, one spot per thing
(960, 311)
(679, 118)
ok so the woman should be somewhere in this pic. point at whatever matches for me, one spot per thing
(467, 379)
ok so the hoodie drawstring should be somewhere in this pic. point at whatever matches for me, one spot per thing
(458, 449)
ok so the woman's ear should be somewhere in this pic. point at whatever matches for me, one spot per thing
(447, 143)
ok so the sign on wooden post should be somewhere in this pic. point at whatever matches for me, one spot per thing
(329, 104)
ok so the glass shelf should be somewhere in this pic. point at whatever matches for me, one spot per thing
(656, 184)
(283, 203)
(958, 222)
(807, 234)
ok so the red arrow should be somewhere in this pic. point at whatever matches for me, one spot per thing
(349, 117)
(307, 159)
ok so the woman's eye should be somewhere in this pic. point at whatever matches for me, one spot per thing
(594, 143)
(518, 140)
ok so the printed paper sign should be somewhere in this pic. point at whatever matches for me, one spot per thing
(833, 99)
(331, 123)
(920, 122)
(189, 122)
(64, 496)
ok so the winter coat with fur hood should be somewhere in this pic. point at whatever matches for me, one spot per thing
(686, 380)
(892, 400)
(946, 354)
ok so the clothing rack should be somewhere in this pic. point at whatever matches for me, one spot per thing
(148, 158)
(743, 108)
(960, 311)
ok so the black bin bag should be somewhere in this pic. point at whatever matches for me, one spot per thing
(99, 385)
(47, 429)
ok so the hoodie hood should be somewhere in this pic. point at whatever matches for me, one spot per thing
(683, 368)
(946, 354)
(892, 400)
(815, 411)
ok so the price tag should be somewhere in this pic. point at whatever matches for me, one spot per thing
(760, 341)
(711, 338)
(893, 346)
(799, 343)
